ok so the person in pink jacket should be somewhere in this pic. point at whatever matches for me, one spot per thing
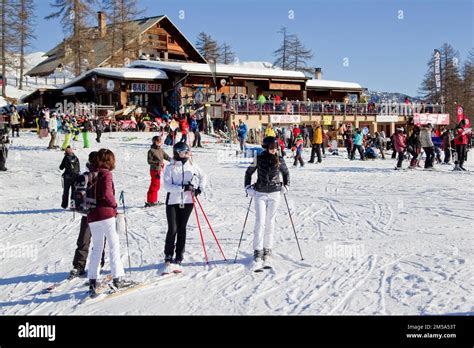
(400, 144)
(101, 221)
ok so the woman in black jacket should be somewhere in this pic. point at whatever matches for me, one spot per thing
(267, 191)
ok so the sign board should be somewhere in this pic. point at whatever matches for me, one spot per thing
(365, 130)
(285, 118)
(146, 87)
(386, 118)
(285, 87)
(110, 85)
(434, 119)
(437, 70)
(327, 120)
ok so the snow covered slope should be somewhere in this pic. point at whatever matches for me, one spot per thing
(375, 240)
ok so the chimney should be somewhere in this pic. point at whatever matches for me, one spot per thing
(317, 73)
(102, 24)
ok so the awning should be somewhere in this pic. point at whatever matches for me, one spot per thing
(74, 90)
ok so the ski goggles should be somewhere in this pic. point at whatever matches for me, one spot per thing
(183, 152)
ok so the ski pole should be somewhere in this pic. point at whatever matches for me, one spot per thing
(210, 227)
(294, 230)
(243, 229)
(122, 199)
(200, 231)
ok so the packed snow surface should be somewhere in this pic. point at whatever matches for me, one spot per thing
(374, 240)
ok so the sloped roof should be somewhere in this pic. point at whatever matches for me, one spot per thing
(325, 84)
(102, 47)
(221, 69)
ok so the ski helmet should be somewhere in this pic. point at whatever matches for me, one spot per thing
(269, 143)
(180, 147)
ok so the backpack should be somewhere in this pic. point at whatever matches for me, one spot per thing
(85, 193)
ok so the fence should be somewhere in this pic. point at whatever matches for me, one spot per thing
(245, 106)
(36, 81)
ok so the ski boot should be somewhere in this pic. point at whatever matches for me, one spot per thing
(76, 272)
(178, 268)
(257, 261)
(93, 288)
(120, 283)
(267, 262)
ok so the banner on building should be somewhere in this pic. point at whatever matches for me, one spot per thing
(146, 88)
(434, 119)
(386, 118)
(284, 87)
(327, 120)
(285, 118)
(437, 68)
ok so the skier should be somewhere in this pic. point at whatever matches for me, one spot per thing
(460, 141)
(156, 157)
(242, 134)
(348, 140)
(84, 238)
(317, 143)
(446, 143)
(414, 147)
(99, 128)
(358, 137)
(4, 141)
(267, 191)
(194, 126)
(427, 145)
(102, 224)
(15, 122)
(400, 145)
(53, 130)
(85, 129)
(183, 180)
(66, 126)
(380, 143)
(269, 132)
(299, 144)
(71, 166)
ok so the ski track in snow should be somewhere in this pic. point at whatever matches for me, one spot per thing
(406, 239)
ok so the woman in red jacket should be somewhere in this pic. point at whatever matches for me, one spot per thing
(101, 221)
(460, 141)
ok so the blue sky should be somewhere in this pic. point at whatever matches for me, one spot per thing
(384, 52)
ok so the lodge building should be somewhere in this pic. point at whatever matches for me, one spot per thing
(172, 75)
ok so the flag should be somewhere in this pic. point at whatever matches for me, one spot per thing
(461, 116)
(437, 70)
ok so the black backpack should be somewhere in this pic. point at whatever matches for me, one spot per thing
(85, 193)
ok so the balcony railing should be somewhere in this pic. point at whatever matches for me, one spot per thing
(245, 106)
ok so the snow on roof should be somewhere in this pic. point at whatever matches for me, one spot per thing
(221, 69)
(123, 73)
(331, 84)
(132, 73)
(74, 90)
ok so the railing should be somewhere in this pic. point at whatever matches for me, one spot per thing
(245, 106)
(37, 82)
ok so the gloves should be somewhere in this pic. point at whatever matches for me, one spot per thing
(249, 190)
(189, 187)
(285, 189)
(197, 192)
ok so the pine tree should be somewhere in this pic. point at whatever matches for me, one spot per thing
(207, 46)
(74, 16)
(468, 85)
(7, 39)
(283, 55)
(298, 56)
(123, 36)
(451, 83)
(25, 29)
(227, 55)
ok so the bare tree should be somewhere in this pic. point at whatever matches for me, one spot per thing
(74, 16)
(7, 39)
(226, 55)
(283, 53)
(123, 31)
(468, 85)
(298, 56)
(25, 29)
(207, 46)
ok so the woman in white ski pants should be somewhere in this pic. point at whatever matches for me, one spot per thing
(266, 192)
